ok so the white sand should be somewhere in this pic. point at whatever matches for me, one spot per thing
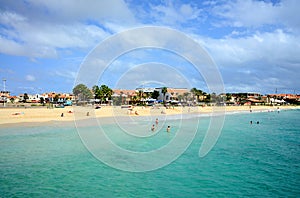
(36, 115)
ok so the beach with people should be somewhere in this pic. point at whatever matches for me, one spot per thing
(43, 114)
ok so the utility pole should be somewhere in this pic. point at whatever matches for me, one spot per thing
(4, 98)
(4, 81)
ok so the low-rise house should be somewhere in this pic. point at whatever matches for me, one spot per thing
(172, 94)
(31, 98)
(4, 95)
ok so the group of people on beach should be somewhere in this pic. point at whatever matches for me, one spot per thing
(156, 124)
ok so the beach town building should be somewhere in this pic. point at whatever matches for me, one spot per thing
(124, 96)
(58, 97)
(246, 98)
(12, 99)
(31, 98)
(144, 95)
(47, 97)
(145, 90)
(284, 98)
(125, 92)
(4, 95)
(172, 94)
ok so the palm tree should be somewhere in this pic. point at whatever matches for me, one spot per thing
(42, 101)
(197, 93)
(194, 91)
(180, 98)
(228, 96)
(164, 90)
(185, 96)
(25, 97)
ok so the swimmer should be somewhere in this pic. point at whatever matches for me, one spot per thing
(168, 129)
(251, 122)
(152, 128)
(156, 121)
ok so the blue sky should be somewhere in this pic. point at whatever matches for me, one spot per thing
(255, 44)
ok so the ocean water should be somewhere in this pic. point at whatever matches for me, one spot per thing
(258, 160)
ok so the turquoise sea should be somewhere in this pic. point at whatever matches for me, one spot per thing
(258, 160)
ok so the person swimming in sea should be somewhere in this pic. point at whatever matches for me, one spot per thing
(153, 128)
(156, 121)
(168, 129)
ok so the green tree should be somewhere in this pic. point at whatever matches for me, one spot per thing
(55, 99)
(25, 97)
(164, 90)
(228, 96)
(96, 91)
(186, 96)
(82, 92)
(42, 101)
(180, 97)
(105, 92)
(207, 98)
(194, 91)
(155, 94)
(197, 93)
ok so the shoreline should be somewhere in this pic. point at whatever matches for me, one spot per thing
(10, 117)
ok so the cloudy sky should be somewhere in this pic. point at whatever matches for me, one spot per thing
(255, 44)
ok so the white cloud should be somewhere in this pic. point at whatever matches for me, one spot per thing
(71, 75)
(30, 78)
(252, 13)
(275, 47)
(113, 10)
(171, 14)
(152, 73)
(55, 25)
(258, 62)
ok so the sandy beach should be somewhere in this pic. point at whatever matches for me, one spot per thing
(43, 114)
